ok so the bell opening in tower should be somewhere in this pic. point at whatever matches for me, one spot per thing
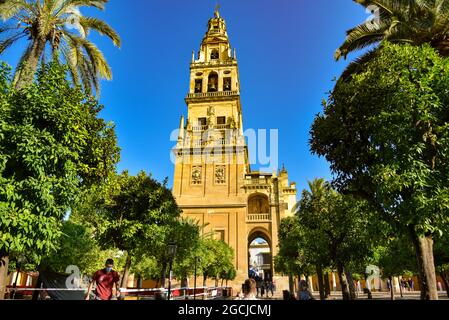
(213, 82)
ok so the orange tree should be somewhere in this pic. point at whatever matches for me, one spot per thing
(385, 133)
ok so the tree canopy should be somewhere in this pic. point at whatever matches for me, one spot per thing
(60, 27)
(53, 143)
(385, 134)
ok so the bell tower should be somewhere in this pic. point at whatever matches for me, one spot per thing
(213, 181)
(211, 152)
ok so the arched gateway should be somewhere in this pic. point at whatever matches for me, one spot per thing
(213, 180)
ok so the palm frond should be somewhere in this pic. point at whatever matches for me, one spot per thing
(360, 37)
(10, 40)
(357, 66)
(10, 8)
(101, 27)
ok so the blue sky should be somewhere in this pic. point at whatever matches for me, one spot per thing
(285, 51)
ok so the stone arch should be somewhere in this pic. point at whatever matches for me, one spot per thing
(259, 232)
(260, 256)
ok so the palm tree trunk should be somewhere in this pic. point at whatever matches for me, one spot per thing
(27, 70)
(4, 263)
(426, 265)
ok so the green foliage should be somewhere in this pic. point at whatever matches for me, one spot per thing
(339, 228)
(146, 266)
(407, 22)
(397, 258)
(52, 145)
(328, 229)
(294, 255)
(60, 26)
(214, 259)
(385, 134)
(77, 247)
(441, 251)
(131, 212)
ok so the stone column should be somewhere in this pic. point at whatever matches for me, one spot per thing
(205, 82)
(220, 81)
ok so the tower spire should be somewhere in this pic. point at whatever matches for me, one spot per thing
(217, 10)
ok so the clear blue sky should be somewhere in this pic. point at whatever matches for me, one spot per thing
(285, 51)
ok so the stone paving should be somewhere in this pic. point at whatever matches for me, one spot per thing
(376, 296)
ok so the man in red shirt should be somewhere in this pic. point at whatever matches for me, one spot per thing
(104, 280)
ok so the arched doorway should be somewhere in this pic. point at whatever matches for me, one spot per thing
(260, 256)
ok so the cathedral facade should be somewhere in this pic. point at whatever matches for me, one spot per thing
(213, 180)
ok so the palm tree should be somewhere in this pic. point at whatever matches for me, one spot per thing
(400, 21)
(59, 26)
(315, 196)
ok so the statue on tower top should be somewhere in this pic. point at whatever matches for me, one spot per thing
(217, 12)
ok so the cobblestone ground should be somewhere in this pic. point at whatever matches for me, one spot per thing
(376, 296)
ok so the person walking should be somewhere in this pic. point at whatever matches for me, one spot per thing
(411, 284)
(271, 287)
(104, 280)
(304, 292)
(262, 288)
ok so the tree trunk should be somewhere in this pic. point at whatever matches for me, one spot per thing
(343, 282)
(4, 263)
(426, 265)
(139, 281)
(445, 280)
(27, 70)
(392, 289)
(124, 283)
(163, 274)
(204, 280)
(327, 286)
(291, 284)
(351, 285)
(319, 271)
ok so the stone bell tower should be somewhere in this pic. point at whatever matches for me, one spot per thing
(213, 181)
